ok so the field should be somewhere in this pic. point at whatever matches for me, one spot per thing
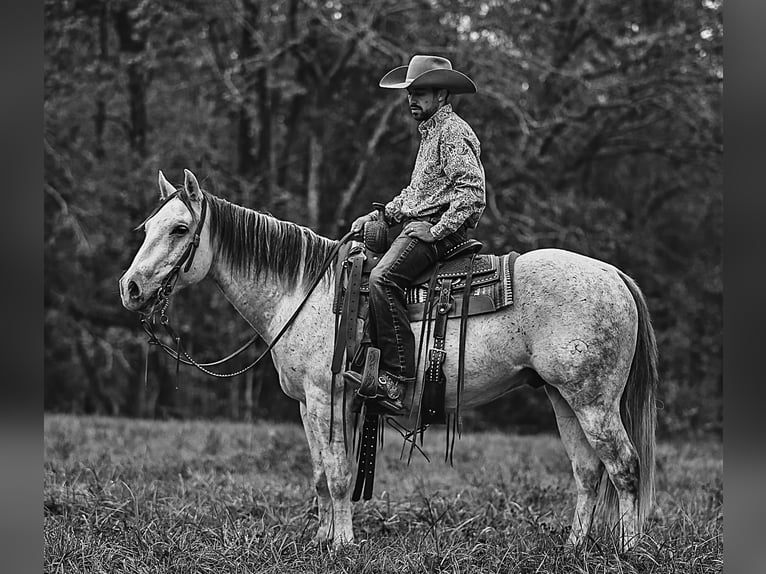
(196, 496)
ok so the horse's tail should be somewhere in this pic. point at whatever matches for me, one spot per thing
(638, 410)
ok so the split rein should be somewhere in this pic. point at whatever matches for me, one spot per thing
(162, 302)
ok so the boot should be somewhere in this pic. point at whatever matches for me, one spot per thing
(388, 391)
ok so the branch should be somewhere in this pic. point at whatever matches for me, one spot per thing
(341, 62)
(79, 232)
(349, 194)
(678, 153)
(523, 121)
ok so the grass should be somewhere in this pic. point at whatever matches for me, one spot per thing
(142, 496)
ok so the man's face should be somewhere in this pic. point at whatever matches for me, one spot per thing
(424, 102)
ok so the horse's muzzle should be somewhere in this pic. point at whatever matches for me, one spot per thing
(133, 297)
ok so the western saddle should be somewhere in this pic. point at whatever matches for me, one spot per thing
(462, 284)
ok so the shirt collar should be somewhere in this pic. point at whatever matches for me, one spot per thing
(439, 116)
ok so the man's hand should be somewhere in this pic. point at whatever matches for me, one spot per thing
(419, 230)
(359, 222)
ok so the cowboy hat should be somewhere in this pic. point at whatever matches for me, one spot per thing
(428, 72)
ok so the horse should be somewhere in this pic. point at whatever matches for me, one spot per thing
(579, 326)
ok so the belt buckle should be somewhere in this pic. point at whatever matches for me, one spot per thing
(437, 355)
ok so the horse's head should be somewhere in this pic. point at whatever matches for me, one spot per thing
(168, 257)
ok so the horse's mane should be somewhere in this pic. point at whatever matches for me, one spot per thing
(259, 245)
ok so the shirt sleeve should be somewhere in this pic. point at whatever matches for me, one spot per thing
(467, 196)
(394, 207)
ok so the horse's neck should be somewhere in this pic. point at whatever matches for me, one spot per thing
(263, 303)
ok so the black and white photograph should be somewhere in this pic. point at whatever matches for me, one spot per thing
(384, 286)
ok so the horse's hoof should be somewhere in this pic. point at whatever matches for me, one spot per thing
(343, 543)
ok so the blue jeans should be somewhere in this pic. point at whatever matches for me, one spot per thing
(389, 325)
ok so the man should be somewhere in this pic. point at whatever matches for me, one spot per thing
(445, 197)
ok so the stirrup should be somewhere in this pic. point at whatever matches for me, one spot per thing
(387, 391)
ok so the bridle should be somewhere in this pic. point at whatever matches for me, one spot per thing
(187, 257)
(162, 299)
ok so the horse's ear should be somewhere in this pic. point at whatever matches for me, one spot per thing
(165, 187)
(191, 185)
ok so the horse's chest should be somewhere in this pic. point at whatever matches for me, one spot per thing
(298, 363)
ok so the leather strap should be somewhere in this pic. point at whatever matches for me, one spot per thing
(352, 304)
(346, 335)
(435, 382)
(187, 257)
(442, 312)
(462, 341)
(347, 302)
(368, 446)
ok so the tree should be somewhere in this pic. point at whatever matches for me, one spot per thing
(600, 131)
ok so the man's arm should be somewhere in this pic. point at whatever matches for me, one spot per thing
(467, 197)
(394, 207)
(393, 212)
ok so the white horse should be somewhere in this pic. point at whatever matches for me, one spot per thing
(577, 323)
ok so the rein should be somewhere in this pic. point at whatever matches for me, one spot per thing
(166, 288)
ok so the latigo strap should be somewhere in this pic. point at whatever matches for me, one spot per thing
(435, 380)
(368, 446)
(346, 335)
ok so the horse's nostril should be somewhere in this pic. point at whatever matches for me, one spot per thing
(133, 290)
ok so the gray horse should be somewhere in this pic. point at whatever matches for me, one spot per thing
(579, 324)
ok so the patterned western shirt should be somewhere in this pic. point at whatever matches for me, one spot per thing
(448, 177)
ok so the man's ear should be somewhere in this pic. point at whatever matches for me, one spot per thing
(165, 188)
(191, 186)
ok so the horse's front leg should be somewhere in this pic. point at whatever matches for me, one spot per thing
(337, 467)
(324, 503)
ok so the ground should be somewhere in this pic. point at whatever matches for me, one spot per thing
(125, 495)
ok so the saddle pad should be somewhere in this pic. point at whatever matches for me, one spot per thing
(489, 292)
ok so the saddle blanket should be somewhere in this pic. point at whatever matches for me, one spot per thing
(491, 286)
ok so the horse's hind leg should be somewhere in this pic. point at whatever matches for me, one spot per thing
(602, 426)
(586, 465)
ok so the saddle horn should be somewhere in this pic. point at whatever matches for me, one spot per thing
(376, 231)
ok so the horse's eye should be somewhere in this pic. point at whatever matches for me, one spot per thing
(179, 230)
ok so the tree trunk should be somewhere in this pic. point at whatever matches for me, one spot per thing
(247, 161)
(234, 400)
(99, 117)
(265, 159)
(137, 91)
(140, 382)
(133, 43)
(348, 196)
(295, 104)
(313, 188)
(247, 415)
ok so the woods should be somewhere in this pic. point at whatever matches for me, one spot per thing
(600, 129)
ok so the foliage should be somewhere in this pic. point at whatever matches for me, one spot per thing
(600, 131)
(146, 496)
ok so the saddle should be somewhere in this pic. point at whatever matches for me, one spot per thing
(488, 280)
(461, 285)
